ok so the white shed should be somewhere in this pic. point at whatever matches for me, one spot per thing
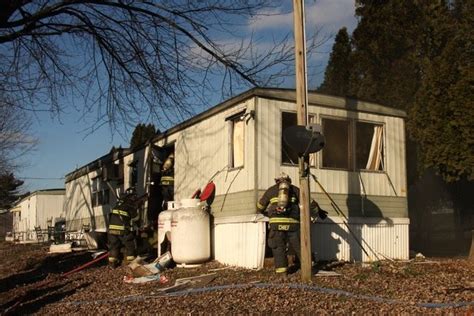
(37, 210)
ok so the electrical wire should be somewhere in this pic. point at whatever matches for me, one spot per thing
(345, 221)
(298, 286)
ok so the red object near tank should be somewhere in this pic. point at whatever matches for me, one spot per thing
(208, 191)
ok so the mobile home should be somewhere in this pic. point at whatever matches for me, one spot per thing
(36, 212)
(238, 145)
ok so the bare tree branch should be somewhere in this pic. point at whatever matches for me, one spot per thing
(127, 59)
(15, 142)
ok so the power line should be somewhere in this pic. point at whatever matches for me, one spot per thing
(24, 178)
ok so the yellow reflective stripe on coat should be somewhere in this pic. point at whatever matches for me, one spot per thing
(260, 206)
(281, 270)
(286, 220)
(167, 180)
(117, 227)
(120, 212)
(275, 200)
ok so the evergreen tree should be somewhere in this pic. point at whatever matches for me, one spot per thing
(414, 55)
(442, 116)
(338, 70)
(8, 190)
(385, 63)
(142, 134)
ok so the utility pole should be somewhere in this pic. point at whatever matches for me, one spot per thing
(302, 119)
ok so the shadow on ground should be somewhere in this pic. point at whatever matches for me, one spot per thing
(51, 264)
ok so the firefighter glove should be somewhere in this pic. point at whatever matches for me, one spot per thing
(280, 210)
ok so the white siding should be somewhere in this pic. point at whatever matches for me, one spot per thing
(78, 204)
(48, 206)
(29, 205)
(391, 183)
(201, 151)
(381, 239)
(35, 211)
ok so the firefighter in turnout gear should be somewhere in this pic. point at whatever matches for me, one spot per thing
(123, 221)
(167, 181)
(281, 204)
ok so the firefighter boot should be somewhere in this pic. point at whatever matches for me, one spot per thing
(114, 262)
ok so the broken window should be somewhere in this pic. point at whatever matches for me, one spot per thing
(336, 149)
(288, 156)
(236, 141)
(369, 146)
(350, 142)
(113, 171)
(158, 156)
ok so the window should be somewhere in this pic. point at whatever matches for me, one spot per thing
(352, 145)
(113, 171)
(369, 146)
(336, 150)
(100, 192)
(236, 141)
(288, 156)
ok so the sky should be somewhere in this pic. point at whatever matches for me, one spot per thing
(66, 143)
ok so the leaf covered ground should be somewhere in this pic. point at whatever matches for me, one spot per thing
(31, 282)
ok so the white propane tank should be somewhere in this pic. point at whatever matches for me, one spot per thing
(190, 233)
(164, 223)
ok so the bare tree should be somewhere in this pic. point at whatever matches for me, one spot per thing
(15, 141)
(132, 59)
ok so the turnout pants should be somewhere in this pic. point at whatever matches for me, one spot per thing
(167, 191)
(277, 241)
(116, 241)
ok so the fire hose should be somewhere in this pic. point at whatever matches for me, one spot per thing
(297, 286)
(105, 255)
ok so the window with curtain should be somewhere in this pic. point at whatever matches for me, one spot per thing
(353, 145)
(236, 128)
(369, 146)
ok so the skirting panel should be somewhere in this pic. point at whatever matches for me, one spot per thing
(240, 240)
(362, 239)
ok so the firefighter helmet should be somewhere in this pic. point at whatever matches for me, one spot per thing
(130, 193)
(283, 177)
(169, 162)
